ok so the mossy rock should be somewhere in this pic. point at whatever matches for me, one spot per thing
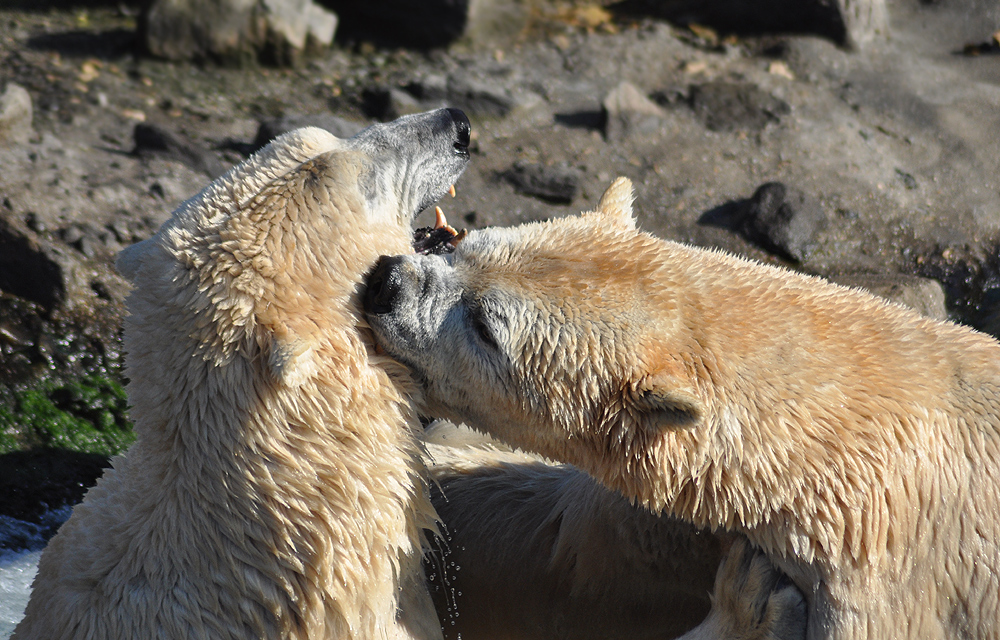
(88, 415)
(56, 439)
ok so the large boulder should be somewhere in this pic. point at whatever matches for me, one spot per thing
(236, 31)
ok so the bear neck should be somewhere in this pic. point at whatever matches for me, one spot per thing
(852, 440)
(316, 487)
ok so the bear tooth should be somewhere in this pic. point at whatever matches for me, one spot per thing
(451, 191)
(458, 238)
(440, 220)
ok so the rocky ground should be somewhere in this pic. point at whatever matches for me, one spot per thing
(875, 166)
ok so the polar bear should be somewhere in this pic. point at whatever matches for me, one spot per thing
(274, 487)
(853, 441)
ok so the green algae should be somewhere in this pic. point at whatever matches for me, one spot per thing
(84, 415)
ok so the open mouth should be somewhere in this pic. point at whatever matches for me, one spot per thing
(439, 239)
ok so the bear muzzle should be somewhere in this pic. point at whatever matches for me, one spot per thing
(384, 285)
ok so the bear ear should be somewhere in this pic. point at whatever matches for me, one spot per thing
(129, 260)
(616, 204)
(292, 363)
(664, 401)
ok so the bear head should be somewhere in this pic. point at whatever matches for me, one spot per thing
(562, 337)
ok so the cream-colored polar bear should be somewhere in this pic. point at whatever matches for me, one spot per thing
(273, 490)
(852, 440)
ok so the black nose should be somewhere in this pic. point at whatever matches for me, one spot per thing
(463, 130)
(384, 285)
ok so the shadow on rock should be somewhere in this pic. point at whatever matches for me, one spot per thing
(745, 18)
(558, 185)
(594, 120)
(30, 269)
(970, 277)
(106, 45)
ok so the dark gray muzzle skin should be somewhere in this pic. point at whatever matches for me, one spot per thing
(429, 151)
(384, 285)
(395, 292)
(413, 305)
(415, 158)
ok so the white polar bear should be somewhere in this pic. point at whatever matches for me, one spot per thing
(853, 441)
(274, 487)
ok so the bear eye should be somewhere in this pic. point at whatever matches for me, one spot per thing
(482, 330)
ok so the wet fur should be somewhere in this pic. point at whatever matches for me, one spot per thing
(274, 489)
(853, 441)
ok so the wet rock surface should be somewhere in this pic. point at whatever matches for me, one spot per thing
(827, 143)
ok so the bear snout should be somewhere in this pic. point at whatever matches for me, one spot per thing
(384, 285)
(463, 131)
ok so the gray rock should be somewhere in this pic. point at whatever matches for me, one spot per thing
(429, 89)
(87, 240)
(553, 184)
(463, 89)
(274, 127)
(627, 111)
(726, 106)
(236, 31)
(488, 21)
(15, 115)
(782, 220)
(292, 24)
(402, 103)
(924, 295)
(190, 29)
